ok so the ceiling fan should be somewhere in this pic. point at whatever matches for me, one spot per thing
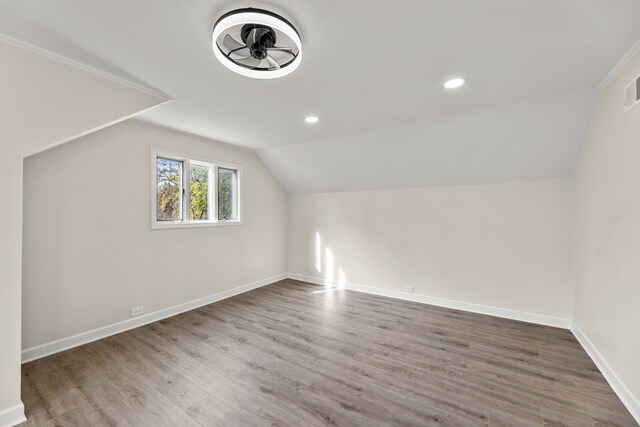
(257, 43)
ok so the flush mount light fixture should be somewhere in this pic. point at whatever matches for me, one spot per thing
(311, 119)
(257, 43)
(454, 83)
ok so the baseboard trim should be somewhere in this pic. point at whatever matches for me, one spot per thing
(57, 346)
(618, 386)
(522, 316)
(12, 416)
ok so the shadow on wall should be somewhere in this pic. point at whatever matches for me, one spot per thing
(330, 282)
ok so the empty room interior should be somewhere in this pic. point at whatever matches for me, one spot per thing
(307, 213)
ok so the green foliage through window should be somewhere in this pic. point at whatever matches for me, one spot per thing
(199, 192)
(194, 191)
(169, 177)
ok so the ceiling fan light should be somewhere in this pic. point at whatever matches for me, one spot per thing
(261, 19)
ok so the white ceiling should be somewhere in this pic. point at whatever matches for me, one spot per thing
(366, 65)
(527, 140)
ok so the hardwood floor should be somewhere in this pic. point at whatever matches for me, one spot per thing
(296, 354)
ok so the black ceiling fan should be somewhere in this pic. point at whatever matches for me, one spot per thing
(257, 43)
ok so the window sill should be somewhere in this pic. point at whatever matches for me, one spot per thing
(161, 226)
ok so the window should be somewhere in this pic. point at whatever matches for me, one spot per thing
(191, 192)
(199, 186)
(227, 194)
(169, 179)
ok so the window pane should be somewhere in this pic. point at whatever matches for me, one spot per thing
(199, 192)
(168, 192)
(227, 194)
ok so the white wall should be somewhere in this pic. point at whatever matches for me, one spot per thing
(606, 229)
(90, 253)
(506, 246)
(43, 103)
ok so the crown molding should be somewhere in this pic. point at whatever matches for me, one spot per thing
(620, 65)
(81, 66)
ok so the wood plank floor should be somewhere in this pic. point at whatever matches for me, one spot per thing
(296, 354)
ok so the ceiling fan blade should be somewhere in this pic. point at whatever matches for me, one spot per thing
(249, 62)
(273, 64)
(260, 36)
(230, 43)
(282, 49)
(240, 53)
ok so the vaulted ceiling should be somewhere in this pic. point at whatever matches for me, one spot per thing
(373, 73)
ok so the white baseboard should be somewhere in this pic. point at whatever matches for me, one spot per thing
(12, 416)
(627, 398)
(523, 316)
(57, 346)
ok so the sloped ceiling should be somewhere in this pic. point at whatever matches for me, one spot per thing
(373, 73)
(528, 140)
(46, 102)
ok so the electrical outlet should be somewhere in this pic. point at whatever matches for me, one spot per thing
(137, 311)
(408, 288)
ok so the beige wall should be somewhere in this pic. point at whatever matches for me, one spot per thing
(43, 103)
(10, 241)
(606, 224)
(90, 253)
(506, 246)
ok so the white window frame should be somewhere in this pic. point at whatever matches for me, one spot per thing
(187, 160)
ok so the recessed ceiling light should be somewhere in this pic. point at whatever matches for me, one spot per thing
(454, 83)
(311, 119)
